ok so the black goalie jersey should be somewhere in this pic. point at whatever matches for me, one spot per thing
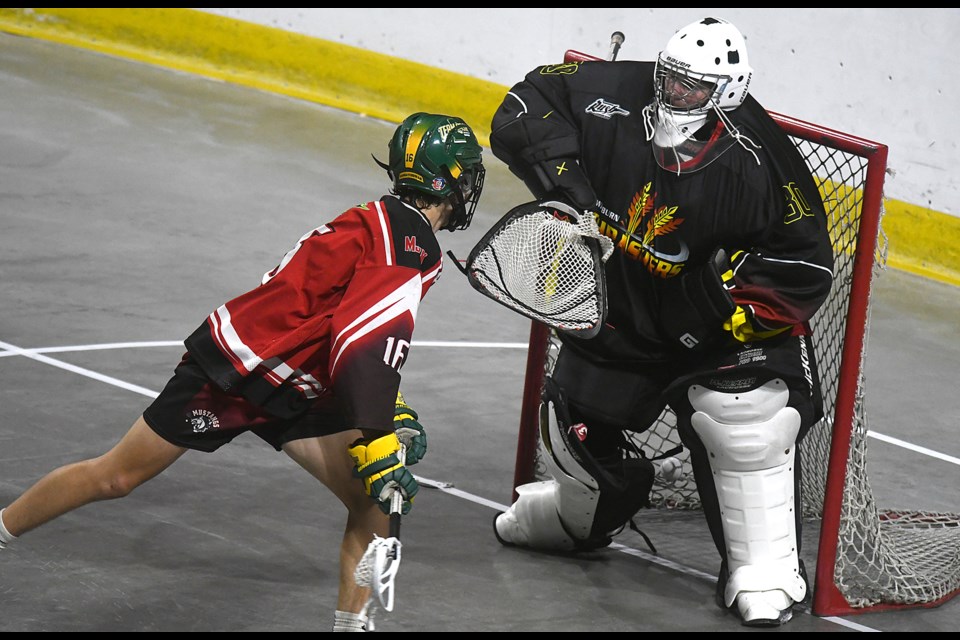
(583, 124)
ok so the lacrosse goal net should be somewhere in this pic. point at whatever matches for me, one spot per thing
(868, 559)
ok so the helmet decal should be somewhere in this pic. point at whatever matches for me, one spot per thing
(413, 143)
(410, 175)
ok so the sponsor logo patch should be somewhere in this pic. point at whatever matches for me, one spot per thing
(606, 110)
(201, 420)
(579, 430)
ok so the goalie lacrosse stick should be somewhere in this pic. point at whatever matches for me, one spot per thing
(379, 564)
(545, 260)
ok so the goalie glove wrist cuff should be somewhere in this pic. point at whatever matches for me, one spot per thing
(695, 305)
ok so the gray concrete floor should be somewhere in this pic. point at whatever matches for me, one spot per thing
(134, 200)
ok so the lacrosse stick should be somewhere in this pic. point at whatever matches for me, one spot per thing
(545, 260)
(379, 564)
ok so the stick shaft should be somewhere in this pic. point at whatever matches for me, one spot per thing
(395, 525)
(616, 39)
(396, 501)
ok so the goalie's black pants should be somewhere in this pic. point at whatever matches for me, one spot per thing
(614, 399)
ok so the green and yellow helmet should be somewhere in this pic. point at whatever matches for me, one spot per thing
(437, 156)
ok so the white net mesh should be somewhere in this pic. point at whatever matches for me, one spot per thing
(889, 557)
(541, 266)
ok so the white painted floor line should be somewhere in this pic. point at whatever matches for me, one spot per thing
(11, 350)
(98, 347)
(447, 487)
(34, 355)
(913, 447)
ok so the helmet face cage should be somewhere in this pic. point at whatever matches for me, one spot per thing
(682, 91)
(438, 156)
(466, 197)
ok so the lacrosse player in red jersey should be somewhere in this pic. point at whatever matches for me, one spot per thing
(722, 258)
(309, 360)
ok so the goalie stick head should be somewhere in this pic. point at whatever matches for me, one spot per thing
(545, 260)
(437, 157)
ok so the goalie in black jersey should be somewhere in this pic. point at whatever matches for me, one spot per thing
(722, 258)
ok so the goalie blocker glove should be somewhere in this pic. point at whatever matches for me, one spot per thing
(409, 431)
(695, 305)
(377, 463)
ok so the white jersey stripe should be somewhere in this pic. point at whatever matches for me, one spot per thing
(433, 273)
(405, 298)
(763, 258)
(304, 382)
(231, 343)
(385, 228)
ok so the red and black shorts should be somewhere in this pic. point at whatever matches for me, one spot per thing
(192, 411)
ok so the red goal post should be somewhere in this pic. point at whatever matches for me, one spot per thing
(868, 559)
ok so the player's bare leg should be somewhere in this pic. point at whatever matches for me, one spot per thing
(327, 460)
(139, 456)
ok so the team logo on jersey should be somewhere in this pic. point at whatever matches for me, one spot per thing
(201, 420)
(410, 245)
(606, 110)
(564, 69)
(635, 233)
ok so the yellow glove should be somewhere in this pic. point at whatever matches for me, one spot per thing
(378, 465)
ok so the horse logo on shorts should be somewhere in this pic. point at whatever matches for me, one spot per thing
(202, 420)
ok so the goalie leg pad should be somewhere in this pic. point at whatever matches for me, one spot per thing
(578, 491)
(750, 438)
(533, 520)
(587, 498)
(538, 518)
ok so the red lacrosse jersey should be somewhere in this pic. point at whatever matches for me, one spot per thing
(335, 317)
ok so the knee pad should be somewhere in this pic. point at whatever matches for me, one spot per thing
(750, 438)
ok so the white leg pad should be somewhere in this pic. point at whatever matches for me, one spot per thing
(577, 491)
(750, 439)
(533, 520)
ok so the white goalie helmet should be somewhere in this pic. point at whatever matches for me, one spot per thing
(704, 69)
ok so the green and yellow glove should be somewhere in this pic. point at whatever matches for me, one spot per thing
(409, 431)
(378, 465)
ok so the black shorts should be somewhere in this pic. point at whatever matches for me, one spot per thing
(192, 411)
(635, 396)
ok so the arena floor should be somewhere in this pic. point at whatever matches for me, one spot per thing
(134, 200)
